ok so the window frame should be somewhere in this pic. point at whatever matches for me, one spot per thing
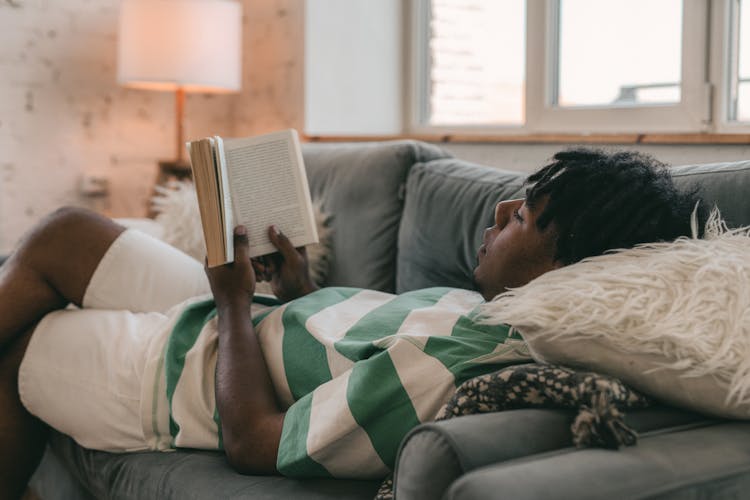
(692, 114)
(721, 68)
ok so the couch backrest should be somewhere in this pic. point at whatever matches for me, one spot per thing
(449, 202)
(726, 185)
(362, 186)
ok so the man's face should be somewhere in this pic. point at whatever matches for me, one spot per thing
(514, 251)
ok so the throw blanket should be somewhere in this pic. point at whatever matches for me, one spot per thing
(599, 399)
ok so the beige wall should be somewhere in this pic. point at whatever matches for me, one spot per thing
(63, 116)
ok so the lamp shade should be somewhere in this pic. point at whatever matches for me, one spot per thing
(194, 45)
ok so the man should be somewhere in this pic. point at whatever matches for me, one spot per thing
(326, 384)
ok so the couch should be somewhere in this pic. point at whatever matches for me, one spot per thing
(407, 215)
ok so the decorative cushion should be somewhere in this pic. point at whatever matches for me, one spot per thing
(362, 187)
(176, 206)
(449, 202)
(669, 319)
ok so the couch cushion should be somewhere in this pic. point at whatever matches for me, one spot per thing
(726, 185)
(361, 186)
(448, 204)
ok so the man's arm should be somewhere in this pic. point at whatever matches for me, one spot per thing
(251, 421)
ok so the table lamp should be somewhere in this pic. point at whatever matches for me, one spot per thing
(181, 46)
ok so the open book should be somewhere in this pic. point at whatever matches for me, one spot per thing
(255, 182)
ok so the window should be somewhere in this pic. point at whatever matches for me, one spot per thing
(587, 66)
(602, 63)
(476, 71)
(739, 61)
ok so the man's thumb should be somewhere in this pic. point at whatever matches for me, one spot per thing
(241, 244)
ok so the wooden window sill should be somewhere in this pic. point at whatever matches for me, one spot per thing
(550, 138)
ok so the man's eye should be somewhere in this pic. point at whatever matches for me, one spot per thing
(517, 215)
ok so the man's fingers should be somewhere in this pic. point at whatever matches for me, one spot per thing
(260, 269)
(241, 245)
(281, 242)
(263, 269)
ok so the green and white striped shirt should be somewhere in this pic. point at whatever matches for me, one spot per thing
(355, 369)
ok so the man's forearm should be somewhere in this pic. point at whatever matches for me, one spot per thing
(251, 421)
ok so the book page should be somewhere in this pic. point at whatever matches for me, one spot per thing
(268, 186)
(209, 199)
(226, 198)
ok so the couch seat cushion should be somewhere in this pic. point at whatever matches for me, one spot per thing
(186, 475)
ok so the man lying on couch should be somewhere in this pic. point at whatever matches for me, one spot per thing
(326, 384)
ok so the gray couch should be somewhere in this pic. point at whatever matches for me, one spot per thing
(406, 216)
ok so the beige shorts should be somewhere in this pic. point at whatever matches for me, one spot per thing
(83, 368)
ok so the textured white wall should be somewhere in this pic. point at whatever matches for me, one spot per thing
(273, 67)
(63, 116)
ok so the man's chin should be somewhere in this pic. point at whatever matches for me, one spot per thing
(475, 281)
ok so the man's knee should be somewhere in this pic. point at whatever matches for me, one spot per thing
(69, 229)
(69, 220)
(66, 246)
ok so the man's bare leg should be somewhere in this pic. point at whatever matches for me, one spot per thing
(51, 268)
(22, 436)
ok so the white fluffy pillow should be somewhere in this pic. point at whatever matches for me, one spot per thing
(177, 211)
(176, 206)
(670, 319)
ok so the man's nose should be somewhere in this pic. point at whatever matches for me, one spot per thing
(504, 210)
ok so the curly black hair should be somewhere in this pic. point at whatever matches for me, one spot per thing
(601, 201)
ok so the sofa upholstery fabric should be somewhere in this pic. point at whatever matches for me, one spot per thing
(663, 466)
(185, 475)
(725, 185)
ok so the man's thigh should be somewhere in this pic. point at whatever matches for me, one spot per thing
(82, 374)
(140, 273)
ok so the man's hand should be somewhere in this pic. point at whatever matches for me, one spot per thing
(288, 270)
(234, 280)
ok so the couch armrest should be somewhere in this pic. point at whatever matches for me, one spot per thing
(434, 455)
(712, 461)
